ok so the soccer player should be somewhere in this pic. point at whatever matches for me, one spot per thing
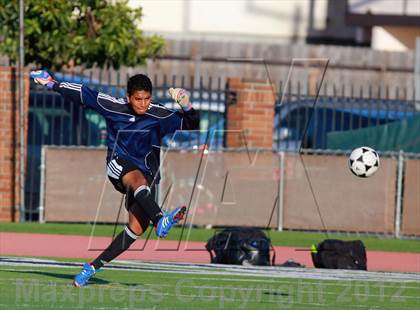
(135, 126)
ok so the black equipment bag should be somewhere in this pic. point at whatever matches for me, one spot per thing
(338, 254)
(240, 246)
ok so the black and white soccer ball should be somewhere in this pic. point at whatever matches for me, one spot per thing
(363, 161)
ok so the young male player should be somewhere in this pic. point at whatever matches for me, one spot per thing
(135, 126)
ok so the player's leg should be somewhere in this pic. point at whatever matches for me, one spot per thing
(137, 221)
(136, 182)
(137, 225)
(126, 178)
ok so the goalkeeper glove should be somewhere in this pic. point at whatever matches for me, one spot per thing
(43, 77)
(182, 97)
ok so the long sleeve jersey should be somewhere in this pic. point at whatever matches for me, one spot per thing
(131, 136)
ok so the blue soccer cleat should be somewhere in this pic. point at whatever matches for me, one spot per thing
(83, 277)
(168, 220)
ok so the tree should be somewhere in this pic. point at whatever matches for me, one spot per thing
(79, 32)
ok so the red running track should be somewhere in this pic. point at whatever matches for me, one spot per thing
(23, 244)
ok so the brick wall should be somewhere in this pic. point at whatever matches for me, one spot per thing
(251, 117)
(9, 142)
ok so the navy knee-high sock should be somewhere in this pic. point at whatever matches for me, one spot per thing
(121, 243)
(147, 203)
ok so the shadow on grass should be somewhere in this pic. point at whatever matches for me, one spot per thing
(58, 275)
(276, 294)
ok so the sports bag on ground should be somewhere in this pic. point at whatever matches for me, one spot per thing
(338, 254)
(240, 246)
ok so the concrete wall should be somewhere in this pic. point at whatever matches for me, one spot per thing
(393, 38)
(395, 7)
(342, 201)
(411, 205)
(243, 20)
(239, 188)
(77, 189)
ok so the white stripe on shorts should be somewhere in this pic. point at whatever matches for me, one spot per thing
(114, 166)
(113, 169)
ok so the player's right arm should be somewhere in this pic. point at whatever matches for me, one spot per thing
(81, 94)
(75, 92)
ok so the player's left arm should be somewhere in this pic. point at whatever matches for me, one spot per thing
(191, 117)
(186, 119)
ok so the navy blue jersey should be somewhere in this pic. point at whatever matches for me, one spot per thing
(131, 136)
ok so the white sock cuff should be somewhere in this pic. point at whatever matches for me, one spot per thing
(141, 188)
(130, 233)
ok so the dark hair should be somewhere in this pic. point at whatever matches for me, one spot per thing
(139, 82)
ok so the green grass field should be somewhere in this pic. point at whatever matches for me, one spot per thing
(33, 287)
(285, 238)
(40, 287)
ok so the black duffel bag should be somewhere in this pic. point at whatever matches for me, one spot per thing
(338, 254)
(240, 246)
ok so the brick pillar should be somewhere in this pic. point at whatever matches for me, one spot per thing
(252, 114)
(9, 142)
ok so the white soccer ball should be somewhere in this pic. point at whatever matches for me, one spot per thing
(364, 161)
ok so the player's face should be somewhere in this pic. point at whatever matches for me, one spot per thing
(140, 101)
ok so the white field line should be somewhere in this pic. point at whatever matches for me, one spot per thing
(379, 284)
(242, 271)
